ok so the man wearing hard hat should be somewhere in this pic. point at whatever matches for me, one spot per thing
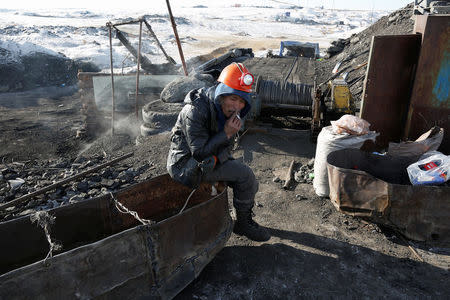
(202, 139)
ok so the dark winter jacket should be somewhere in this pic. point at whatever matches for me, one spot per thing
(196, 136)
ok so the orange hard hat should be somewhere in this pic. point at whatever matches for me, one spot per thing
(237, 76)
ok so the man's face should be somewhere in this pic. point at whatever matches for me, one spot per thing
(231, 104)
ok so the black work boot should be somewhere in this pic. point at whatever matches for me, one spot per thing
(246, 226)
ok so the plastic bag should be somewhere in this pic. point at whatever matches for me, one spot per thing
(431, 170)
(350, 124)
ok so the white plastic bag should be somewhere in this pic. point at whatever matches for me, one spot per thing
(350, 124)
(430, 170)
(327, 142)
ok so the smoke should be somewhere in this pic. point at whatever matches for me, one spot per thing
(129, 125)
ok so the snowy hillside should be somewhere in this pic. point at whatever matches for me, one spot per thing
(82, 34)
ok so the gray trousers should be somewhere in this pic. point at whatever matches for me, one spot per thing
(240, 178)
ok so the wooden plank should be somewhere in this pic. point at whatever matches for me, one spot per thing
(388, 83)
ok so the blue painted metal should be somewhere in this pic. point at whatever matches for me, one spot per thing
(430, 103)
(442, 86)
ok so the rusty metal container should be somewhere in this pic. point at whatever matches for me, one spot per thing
(430, 99)
(111, 255)
(377, 187)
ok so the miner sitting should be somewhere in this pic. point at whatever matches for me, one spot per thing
(202, 139)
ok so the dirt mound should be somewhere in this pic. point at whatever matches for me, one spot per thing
(38, 69)
(355, 50)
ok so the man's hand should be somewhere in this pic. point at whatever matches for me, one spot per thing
(208, 164)
(232, 125)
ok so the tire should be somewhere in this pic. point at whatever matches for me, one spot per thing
(161, 113)
(148, 129)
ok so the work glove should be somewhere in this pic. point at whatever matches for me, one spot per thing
(207, 165)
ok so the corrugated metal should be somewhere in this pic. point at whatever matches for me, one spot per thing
(430, 104)
(388, 83)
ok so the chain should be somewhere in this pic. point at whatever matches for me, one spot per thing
(121, 208)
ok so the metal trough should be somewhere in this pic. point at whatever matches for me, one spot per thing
(110, 255)
(368, 185)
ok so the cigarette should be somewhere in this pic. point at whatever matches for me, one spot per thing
(238, 115)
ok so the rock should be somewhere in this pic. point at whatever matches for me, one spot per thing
(392, 19)
(106, 173)
(301, 197)
(95, 178)
(82, 186)
(27, 212)
(354, 40)
(105, 191)
(16, 183)
(93, 184)
(276, 179)
(93, 192)
(57, 194)
(298, 176)
(108, 183)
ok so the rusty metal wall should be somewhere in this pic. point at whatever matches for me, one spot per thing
(388, 84)
(430, 103)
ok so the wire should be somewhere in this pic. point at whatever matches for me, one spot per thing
(187, 201)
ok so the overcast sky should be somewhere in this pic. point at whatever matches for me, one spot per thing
(336, 4)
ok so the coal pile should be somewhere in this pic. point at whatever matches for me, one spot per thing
(18, 179)
(38, 69)
(354, 51)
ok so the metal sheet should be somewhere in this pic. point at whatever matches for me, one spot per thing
(388, 83)
(430, 103)
(379, 190)
(126, 260)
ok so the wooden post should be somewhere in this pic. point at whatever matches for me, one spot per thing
(112, 77)
(138, 67)
(174, 26)
(289, 175)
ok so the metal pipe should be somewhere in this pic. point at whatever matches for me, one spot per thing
(145, 62)
(138, 67)
(290, 106)
(170, 59)
(126, 23)
(112, 76)
(174, 26)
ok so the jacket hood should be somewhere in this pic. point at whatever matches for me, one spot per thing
(192, 95)
(223, 90)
